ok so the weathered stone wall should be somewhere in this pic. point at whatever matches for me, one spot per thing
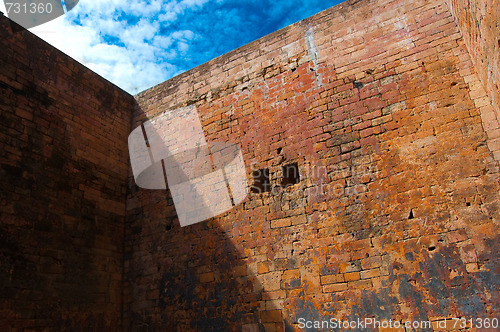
(63, 173)
(479, 22)
(397, 209)
(395, 215)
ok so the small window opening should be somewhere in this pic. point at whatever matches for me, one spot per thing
(261, 182)
(357, 85)
(411, 216)
(291, 175)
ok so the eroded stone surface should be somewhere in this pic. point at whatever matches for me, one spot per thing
(396, 212)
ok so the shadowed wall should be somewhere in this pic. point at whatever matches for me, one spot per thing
(63, 173)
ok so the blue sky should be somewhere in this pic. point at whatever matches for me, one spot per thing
(137, 44)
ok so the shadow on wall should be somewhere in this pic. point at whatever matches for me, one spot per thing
(188, 278)
(62, 191)
(198, 278)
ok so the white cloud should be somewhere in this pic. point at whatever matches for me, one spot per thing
(172, 9)
(136, 35)
(133, 56)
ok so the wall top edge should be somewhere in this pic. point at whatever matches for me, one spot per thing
(337, 10)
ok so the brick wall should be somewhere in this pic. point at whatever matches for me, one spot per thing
(395, 215)
(480, 27)
(63, 170)
(396, 212)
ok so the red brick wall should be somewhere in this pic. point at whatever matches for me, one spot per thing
(479, 22)
(396, 214)
(63, 173)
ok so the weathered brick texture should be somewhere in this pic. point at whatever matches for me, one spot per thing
(395, 214)
(63, 173)
(397, 209)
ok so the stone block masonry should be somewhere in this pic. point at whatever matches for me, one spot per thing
(369, 134)
(397, 209)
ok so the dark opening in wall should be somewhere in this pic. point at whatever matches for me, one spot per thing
(261, 182)
(357, 85)
(291, 175)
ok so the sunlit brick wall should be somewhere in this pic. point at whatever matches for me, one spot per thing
(396, 212)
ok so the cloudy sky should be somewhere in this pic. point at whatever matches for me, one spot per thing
(137, 44)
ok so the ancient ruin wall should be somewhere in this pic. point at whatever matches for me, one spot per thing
(396, 212)
(63, 169)
(479, 22)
